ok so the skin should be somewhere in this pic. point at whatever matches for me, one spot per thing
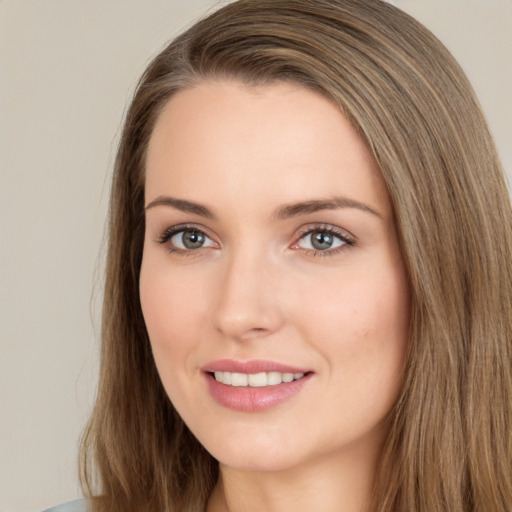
(257, 289)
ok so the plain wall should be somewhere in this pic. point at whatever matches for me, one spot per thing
(67, 69)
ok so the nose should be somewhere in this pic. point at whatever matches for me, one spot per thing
(247, 302)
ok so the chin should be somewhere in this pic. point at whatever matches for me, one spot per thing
(255, 453)
(258, 462)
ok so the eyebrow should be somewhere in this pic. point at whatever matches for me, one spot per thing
(333, 203)
(182, 205)
(282, 213)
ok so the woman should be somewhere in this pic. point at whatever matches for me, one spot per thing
(308, 281)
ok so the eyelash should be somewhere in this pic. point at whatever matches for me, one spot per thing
(166, 236)
(347, 239)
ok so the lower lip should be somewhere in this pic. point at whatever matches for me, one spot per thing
(248, 399)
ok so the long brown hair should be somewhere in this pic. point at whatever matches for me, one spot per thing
(450, 442)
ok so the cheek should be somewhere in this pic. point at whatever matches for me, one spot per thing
(360, 324)
(357, 307)
(168, 297)
(174, 312)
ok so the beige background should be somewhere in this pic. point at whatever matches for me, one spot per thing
(67, 69)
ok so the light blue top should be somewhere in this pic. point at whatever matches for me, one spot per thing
(70, 506)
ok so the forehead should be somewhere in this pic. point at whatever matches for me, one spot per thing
(280, 141)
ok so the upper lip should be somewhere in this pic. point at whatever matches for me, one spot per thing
(252, 366)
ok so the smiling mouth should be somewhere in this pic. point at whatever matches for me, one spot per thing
(250, 389)
(255, 380)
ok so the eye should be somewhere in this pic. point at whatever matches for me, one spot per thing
(189, 239)
(320, 241)
(186, 239)
(324, 239)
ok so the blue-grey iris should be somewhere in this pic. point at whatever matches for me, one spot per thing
(321, 240)
(192, 239)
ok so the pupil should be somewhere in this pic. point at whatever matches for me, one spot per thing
(192, 239)
(321, 241)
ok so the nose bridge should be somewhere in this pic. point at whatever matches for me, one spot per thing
(247, 304)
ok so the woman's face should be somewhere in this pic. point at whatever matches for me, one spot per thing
(271, 255)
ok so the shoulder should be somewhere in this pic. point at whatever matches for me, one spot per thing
(70, 506)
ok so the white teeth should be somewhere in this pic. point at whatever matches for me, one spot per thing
(274, 378)
(239, 379)
(255, 380)
(258, 380)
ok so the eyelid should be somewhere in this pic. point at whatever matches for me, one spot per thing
(349, 240)
(331, 228)
(166, 235)
(344, 235)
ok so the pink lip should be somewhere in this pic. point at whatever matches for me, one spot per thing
(252, 366)
(248, 399)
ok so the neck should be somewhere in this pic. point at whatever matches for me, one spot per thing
(331, 483)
